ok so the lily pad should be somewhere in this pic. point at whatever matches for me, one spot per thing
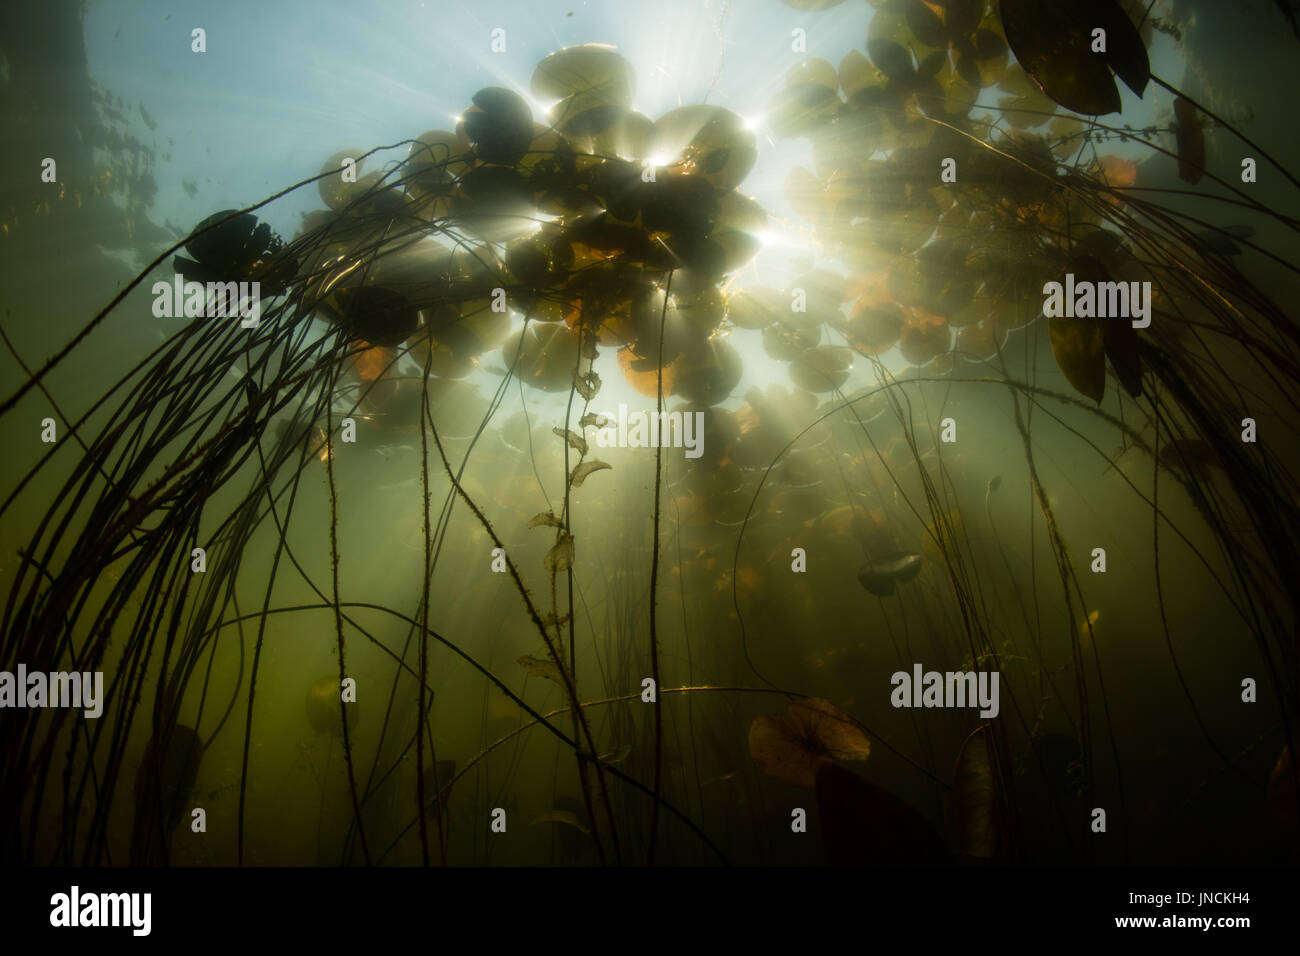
(711, 141)
(499, 124)
(822, 369)
(335, 192)
(594, 70)
(791, 745)
(1053, 42)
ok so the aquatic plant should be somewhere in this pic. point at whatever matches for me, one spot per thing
(601, 228)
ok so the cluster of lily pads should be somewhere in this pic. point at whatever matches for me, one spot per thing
(597, 224)
(602, 226)
(945, 266)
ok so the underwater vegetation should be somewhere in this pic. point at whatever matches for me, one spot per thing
(1015, 412)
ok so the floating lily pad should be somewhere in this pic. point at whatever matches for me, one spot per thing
(757, 307)
(546, 356)
(785, 343)
(334, 191)
(874, 329)
(377, 315)
(924, 337)
(822, 369)
(708, 374)
(711, 140)
(1053, 42)
(499, 125)
(595, 72)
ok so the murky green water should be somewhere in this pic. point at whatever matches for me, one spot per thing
(445, 612)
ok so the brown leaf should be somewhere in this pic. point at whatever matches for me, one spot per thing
(581, 472)
(560, 816)
(790, 746)
(587, 385)
(560, 557)
(977, 797)
(547, 670)
(1122, 348)
(546, 518)
(617, 755)
(574, 439)
(1079, 347)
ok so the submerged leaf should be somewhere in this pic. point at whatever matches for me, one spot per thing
(617, 755)
(1079, 347)
(822, 369)
(547, 670)
(163, 786)
(591, 418)
(587, 385)
(545, 518)
(574, 439)
(791, 745)
(977, 797)
(437, 783)
(560, 557)
(561, 816)
(581, 472)
(1122, 348)
(880, 576)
